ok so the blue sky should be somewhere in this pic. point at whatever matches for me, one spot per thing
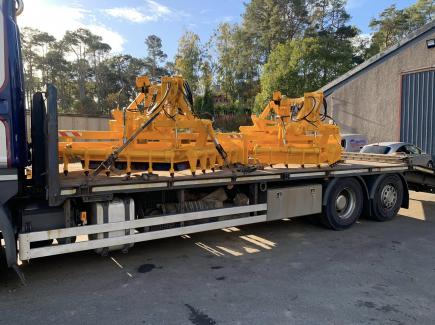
(124, 24)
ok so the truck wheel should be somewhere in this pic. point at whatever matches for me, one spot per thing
(344, 204)
(388, 198)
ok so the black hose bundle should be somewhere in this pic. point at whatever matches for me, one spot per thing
(325, 115)
(188, 93)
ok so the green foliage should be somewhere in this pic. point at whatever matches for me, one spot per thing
(268, 23)
(188, 59)
(307, 63)
(289, 45)
(155, 56)
(394, 24)
(88, 78)
(204, 106)
(88, 51)
(304, 65)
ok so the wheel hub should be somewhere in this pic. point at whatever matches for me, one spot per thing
(345, 203)
(341, 202)
(389, 196)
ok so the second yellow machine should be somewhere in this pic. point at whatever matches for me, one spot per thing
(293, 131)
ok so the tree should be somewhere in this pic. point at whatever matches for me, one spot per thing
(304, 65)
(226, 61)
(99, 52)
(203, 102)
(60, 73)
(88, 78)
(84, 46)
(389, 28)
(237, 67)
(43, 41)
(271, 22)
(35, 45)
(328, 15)
(188, 59)
(422, 12)
(118, 76)
(155, 55)
(242, 50)
(393, 24)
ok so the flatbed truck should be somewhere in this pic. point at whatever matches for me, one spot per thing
(44, 212)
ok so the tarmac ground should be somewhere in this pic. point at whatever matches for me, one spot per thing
(283, 272)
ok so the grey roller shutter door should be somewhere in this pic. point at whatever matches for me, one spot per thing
(418, 110)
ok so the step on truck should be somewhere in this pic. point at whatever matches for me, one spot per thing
(44, 212)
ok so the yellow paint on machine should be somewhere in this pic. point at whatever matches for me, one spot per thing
(288, 131)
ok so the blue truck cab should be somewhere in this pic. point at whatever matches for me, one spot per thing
(13, 139)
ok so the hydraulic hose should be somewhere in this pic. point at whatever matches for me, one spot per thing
(20, 7)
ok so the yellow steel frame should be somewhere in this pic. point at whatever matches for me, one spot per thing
(288, 131)
(291, 131)
(175, 136)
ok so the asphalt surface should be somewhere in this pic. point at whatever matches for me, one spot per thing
(285, 272)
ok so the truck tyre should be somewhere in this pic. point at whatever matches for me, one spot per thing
(344, 204)
(387, 198)
(8, 235)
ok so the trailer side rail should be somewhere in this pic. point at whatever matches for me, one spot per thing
(26, 252)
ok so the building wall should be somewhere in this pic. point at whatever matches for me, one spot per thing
(370, 103)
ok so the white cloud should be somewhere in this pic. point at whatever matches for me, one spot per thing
(130, 14)
(114, 39)
(158, 8)
(152, 11)
(56, 19)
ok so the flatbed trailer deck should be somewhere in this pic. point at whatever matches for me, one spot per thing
(76, 184)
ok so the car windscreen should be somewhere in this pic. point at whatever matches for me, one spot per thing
(376, 149)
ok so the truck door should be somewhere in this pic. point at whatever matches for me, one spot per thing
(13, 140)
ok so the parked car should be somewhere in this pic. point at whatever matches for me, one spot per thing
(400, 148)
(353, 142)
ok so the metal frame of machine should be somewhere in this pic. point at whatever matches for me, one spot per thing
(298, 133)
(159, 126)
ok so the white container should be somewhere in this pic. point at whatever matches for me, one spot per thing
(117, 210)
(353, 142)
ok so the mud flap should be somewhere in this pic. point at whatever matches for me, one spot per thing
(9, 237)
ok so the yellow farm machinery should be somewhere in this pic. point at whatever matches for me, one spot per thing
(293, 131)
(159, 129)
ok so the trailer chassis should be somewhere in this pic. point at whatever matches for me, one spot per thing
(274, 193)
